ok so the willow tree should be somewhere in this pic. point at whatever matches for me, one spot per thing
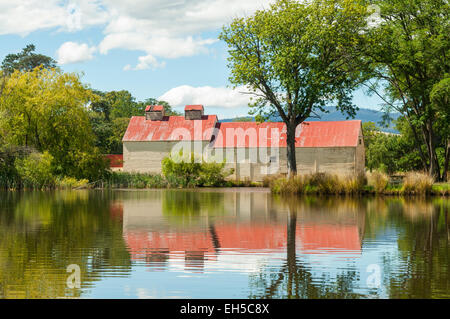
(46, 110)
(295, 58)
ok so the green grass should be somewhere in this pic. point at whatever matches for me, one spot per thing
(441, 189)
(133, 180)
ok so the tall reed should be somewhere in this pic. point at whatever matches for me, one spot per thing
(417, 183)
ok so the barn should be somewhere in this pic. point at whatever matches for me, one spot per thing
(253, 150)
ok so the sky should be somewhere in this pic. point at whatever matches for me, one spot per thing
(153, 48)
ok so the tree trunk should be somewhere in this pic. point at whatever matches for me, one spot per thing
(428, 134)
(290, 140)
(447, 159)
(435, 170)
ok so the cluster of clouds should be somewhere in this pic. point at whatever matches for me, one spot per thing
(160, 29)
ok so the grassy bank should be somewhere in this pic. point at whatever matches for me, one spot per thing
(414, 183)
(143, 181)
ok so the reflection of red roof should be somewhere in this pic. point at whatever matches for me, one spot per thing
(171, 128)
(190, 241)
(325, 237)
(313, 238)
(251, 236)
(115, 160)
(229, 236)
(273, 134)
(116, 211)
(154, 108)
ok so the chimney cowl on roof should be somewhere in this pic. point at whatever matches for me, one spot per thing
(193, 112)
(154, 112)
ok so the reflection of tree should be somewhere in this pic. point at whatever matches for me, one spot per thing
(294, 279)
(418, 270)
(425, 253)
(42, 233)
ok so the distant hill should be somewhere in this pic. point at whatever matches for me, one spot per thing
(365, 115)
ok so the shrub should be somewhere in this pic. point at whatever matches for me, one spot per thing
(72, 183)
(417, 183)
(181, 170)
(9, 177)
(269, 179)
(212, 174)
(91, 166)
(378, 180)
(35, 170)
(191, 171)
(441, 189)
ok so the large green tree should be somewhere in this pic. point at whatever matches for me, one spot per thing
(295, 58)
(26, 60)
(47, 110)
(392, 152)
(408, 52)
(110, 115)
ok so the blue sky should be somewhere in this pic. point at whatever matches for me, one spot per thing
(152, 48)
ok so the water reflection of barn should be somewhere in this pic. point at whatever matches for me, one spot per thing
(233, 221)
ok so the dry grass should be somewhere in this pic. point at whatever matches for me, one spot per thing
(318, 183)
(378, 180)
(416, 183)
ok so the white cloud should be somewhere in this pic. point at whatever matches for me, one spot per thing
(25, 16)
(72, 52)
(145, 62)
(160, 29)
(207, 95)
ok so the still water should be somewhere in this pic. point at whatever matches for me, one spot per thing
(233, 243)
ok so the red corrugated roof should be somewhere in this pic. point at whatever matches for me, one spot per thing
(154, 108)
(115, 160)
(193, 107)
(171, 128)
(273, 134)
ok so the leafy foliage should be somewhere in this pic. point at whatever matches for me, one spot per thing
(35, 170)
(110, 114)
(26, 61)
(294, 59)
(190, 171)
(391, 153)
(46, 110)
(407, 54)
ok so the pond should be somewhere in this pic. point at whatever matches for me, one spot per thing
(221, 243)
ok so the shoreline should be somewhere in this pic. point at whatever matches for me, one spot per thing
(235, 189)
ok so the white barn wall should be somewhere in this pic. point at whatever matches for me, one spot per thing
(146, 157)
